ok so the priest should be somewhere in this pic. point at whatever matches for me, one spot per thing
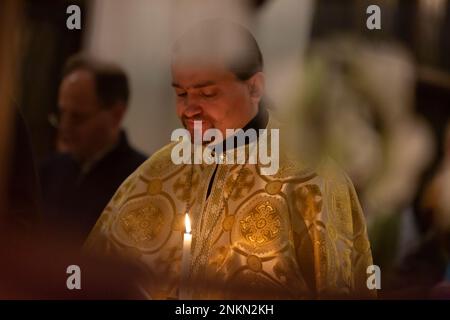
(296, 234)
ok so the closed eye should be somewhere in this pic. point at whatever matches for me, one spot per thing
(208, 95)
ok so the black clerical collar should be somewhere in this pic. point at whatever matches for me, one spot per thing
(120, 143)
(259, 121)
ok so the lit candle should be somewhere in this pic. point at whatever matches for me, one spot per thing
(186, 259)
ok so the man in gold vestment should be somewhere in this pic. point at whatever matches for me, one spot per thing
(296, 234)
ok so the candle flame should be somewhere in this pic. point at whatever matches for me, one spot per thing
(187, 223)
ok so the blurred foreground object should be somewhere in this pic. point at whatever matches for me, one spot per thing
(34, 266)
(19, 195)
(357, 106)
(23, 206)
(9, 26)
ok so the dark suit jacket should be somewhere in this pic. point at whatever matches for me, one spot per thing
(72, 201)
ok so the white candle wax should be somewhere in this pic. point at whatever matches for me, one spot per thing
(185, 259)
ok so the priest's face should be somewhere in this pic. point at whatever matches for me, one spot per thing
(215, 96)
(85, 127)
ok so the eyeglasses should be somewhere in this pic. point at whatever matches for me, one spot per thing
(74, 119)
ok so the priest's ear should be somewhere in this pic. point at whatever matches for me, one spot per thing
(256, 86)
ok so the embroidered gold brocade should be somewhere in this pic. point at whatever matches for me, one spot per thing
(298, 234)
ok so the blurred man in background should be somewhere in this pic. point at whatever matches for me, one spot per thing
(78, 182)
